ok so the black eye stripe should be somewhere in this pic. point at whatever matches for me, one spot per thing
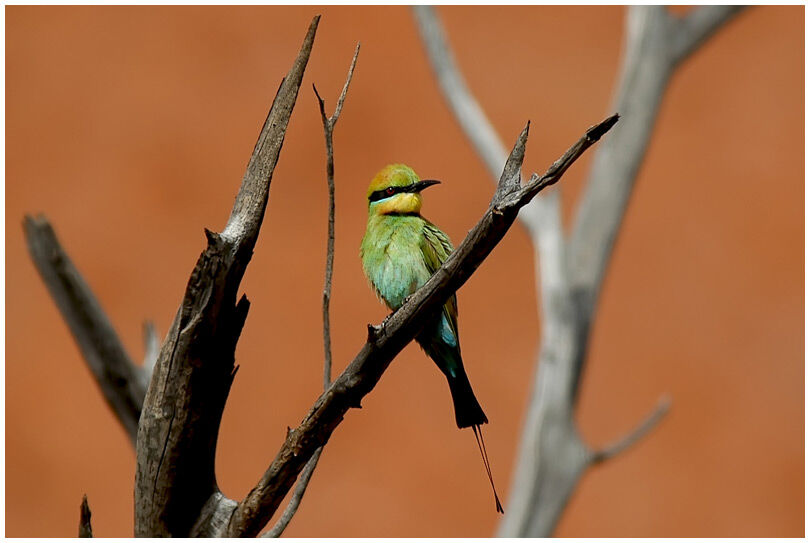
(380, 194)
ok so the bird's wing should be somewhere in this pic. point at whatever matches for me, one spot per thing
(436, 247)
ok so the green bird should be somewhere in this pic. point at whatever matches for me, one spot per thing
(400, 251)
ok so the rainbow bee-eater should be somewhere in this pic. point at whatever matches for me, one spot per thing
(400, 251)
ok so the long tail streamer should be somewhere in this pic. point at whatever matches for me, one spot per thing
(479, 438)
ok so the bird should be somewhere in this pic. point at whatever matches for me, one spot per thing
(400, 251)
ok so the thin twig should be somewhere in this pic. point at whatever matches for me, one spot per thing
(646, 426)
(297, 495)
(115, 373)
(385, 342)
(328, 129)
(342, 97)
(85, 528)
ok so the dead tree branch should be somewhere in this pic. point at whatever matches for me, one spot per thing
(552, 455)
(328, 129)
(697, 26)
(85, 528)
(386, 341)
(649, 61)
(119, 379)
(176, 493)
(630, 439)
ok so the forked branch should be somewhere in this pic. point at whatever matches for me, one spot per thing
(552, 455)
(652, 420)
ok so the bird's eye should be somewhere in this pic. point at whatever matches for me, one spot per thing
(389, 191)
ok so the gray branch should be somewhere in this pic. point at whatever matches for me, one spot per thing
(176, 493)
(328, 130)
(697, 26)
(552, 455)
(632, 438)
(117, 376)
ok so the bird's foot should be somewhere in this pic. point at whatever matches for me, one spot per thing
(375, 332)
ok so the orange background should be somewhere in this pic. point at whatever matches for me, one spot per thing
(130, 128)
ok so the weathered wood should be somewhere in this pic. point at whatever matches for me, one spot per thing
(119, 379)
(175, 481)
(85, 528)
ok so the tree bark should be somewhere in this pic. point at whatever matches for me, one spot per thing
(176, 493)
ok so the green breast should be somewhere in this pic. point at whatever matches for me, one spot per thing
(392, 256)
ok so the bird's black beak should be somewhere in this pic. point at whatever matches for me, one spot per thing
(422, 185)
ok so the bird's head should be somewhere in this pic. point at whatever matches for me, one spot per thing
(396, 190)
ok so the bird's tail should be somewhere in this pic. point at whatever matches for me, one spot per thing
(479, 438)
(470, 414)
(468, 410)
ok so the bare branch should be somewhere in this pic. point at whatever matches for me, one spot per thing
(248, 210)
(85, 528)
(645, 73)
(509, 181)
(555, 172)
(645, 427)
(342, 98)
(552, 455)
(383, 344)
(176, 492)
(546, 475)
(699, 25)
(650, 45)
(328, 128)
(113, 369)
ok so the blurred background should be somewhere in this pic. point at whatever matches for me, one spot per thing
(130, 128)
